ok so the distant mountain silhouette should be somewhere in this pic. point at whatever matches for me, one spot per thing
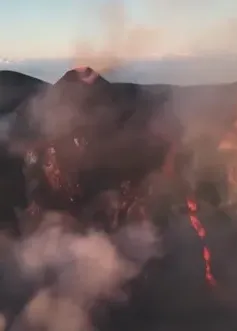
(129, 127)
(118, 116)
(117, 95)
(102, 105)
(205, 109)
(15, 90)
(115, 121)
(81, 75)
(15, 87)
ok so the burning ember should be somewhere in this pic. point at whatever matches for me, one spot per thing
(128, 198)
(197, 225)
(52, 170)
(31, 157)
(33, 209)
(59, 180)
(80, 143)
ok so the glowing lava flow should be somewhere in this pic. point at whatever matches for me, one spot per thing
(196, 224)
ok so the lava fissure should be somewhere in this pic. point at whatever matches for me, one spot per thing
(200, 230)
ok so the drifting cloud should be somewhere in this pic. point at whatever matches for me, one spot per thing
(121, 40)
(218, 39)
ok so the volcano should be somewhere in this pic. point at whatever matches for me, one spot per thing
(112, 154)
(127, 130)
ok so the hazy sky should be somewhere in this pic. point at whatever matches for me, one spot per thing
(57, 28)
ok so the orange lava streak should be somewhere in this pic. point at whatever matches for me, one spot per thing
(197, 225)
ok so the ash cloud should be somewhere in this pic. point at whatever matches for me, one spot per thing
(122, 40)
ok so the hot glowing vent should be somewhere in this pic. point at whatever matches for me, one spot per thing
(87, 75)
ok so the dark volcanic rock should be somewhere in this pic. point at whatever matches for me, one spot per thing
(122, 131)
(15, 91)
(15, 88)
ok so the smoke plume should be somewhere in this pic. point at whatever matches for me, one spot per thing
(69, 272)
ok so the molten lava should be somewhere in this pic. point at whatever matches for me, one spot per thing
(197, 225)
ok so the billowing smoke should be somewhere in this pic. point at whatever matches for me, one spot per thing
(65, 274)
(122, 40)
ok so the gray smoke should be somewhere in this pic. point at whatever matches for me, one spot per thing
(85, 268)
